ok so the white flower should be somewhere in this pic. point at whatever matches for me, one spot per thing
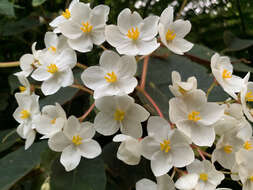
(129, 150)
(65, 16)
(179, 88)
(164, 182)
(75, 141)
(222, 70)
(165, 147)
(56, 72)
(133, 35)
(226, 148)
(119, 112)
(85, 27)
(246, 95)
(246, 176)
(201, 176)
(194, 116)
(51, 120)
(26, 114)
(172, 33)
(25, 88)
(28, 62)
(114, 76)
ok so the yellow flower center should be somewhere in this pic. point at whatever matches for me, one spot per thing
(226, 74)
(25, 114)
(52, 48)
(181, 90)
(86, 27)
(165, 146)
(251, 178)
(249, 97)
(66, 14)
(170, 35)
(77, 140)
(133, 33)
(247, 145)
(203, 176)
(53, 121)
(193, 116)
(228, 149)
(111, 77)
(119, 115)
(52, 68)
(22, 88)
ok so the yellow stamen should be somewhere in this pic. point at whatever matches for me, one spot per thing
(25, 114)
(52, 68)
(119, 115)
(251, 178)
(66, 14)
(133, 33)
(203, 176)
(193, 116)
(249, 97)
(226, 74)
(228, 149)
(53, 121)
(22, 88)
(77, 140)
(181, 90)
(52, 48)
(111, 77)
(165, 146)
(86, 27)
(247, 145)
(170, 35)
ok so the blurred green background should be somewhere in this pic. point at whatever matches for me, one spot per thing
(224, 26)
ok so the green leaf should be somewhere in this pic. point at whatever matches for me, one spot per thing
(62, 96)
(7, 8)
(89, 175)
(13, 82)
(234, 43)
(17, 164)
(7, 139)
(3, 100)
(36, 3)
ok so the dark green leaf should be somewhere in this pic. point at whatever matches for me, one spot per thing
(13, 82)
(36, 3)
(3, 100)
(89, 175)
(7, 8)
(17, 164)
(7, 139)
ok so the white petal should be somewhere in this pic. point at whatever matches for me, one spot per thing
(72, 127)
(127, 66)
(180, 46)
(181, 28)
(131, 128)
(182, 156)
(41, 74)
(188, 181)
(82, 44)
(114, 37)
(150, 28)
(147, 47)
(167, 16)
(26, 63)
(146, 184)
(105, 124)
(158, 128)
(58, 142)
(89, 149)
(99, 15)
(161, 163)
(87, 130)
(70, 30)
(106, 104)
(149, 147)
(50, 86)
(129, 152)
(165, 182)
(51, 39)
(137, 113)
(127, 20)
(57, 21)
(30, 139)
(80, 13)
(121, 138)
(98, 36)
(66, 78)
(177, 113)
(109, 61)
(127, 85)
(70, 158)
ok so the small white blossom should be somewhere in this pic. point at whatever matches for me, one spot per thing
(172, 33)
(25, 88)
(133, 35)
(119, 112)
(25, 115)
(194, 116)
(179, 88)
(222, 70)
(165, 147)
(114, 76)
(56, 71)
(51, 120)
(164, 182)
(201, 176)
(85, 27)
(129, 150)
(75, 141)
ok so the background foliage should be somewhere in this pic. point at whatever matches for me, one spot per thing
(221, 25)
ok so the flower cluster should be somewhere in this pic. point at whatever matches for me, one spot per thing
(194, 122)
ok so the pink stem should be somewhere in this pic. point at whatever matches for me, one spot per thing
(144, 72)
(86, 113)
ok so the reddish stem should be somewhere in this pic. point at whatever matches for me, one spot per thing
(199, 151)
(144, 72)
(86, 113)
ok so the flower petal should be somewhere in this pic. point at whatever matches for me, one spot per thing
(58, 142)
(89, 149)
(145, 184)
(82, 44)
(161, 163)
(105, 124)
(150, 28)
(70, 158)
